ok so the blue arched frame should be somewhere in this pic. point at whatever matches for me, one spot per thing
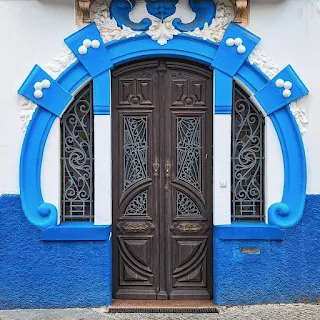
(227, 63)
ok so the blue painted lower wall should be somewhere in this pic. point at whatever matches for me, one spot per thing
(38, 274)
(284, 271)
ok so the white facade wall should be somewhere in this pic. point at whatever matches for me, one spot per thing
(33, 32)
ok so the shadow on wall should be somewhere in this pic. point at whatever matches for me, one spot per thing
(38, 274)
(284, 271)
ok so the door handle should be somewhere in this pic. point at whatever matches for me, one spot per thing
(156, 166)
(168, 169)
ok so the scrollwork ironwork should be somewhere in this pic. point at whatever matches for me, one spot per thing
(138, 205)
(186, 206)
(77, 158)
(135, 150)
(247, 159)
(189, 150)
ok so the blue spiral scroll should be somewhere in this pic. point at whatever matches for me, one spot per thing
(205, 11)
(120, 9)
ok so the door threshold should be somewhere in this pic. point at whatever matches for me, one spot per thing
(163, 306)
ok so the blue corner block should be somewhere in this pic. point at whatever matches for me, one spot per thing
(102, 93)
(228, 59)
(95, 60)
(52, 97)
(271, 96)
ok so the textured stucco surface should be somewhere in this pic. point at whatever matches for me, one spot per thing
(37, 274)
(284, 271)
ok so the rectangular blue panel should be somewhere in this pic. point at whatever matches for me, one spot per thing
(102, 93)
(272, 97)
(54, 98)
(223, 84)
(95, 60)
(228, 59)
(77, 231)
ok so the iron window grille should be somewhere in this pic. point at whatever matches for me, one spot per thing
(77, 158)
(247, 159)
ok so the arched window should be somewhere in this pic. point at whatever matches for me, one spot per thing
(77, 159)
(247, 159)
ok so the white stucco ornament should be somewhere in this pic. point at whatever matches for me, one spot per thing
(287, 85)
(86, 44)
(286, 93)
(230, 42)
(38, 86)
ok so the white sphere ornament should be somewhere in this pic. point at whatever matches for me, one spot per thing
(280, 83)
(38, 86)
(230, 42)
(238, 41)
(286, 93)
(86, 43)
(288, 85)
(38, 94)
(95, 44)
(241, 49)
(82, 50)
(46, 83)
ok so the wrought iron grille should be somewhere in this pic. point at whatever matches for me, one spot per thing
(247, 162)
(77, 159)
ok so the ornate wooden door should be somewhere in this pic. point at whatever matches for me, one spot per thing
(162, 180)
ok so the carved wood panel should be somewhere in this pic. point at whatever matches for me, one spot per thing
(162, 185)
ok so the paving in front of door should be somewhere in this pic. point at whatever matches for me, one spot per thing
(256, 312)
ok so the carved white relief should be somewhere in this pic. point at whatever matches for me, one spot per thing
(162, 33)
(268, 67)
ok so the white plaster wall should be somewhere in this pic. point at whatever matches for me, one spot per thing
(289, 30)
(31, 32)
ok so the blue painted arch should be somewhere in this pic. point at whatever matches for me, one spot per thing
(284, 214)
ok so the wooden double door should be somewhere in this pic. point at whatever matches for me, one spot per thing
(162, 180)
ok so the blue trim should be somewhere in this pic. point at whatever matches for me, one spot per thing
(95, 61)
(183, 47)
(248, 231)
(120, 9)
(54, 99)
(77, 231)
(227, 58)
(223, 87)
(271, 97)
(102, 93)
(205, 12)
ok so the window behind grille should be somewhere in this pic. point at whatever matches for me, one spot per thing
(247, 159)
(77, 159)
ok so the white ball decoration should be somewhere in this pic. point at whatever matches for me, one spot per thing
(280, 83)
(38, 86)
(38, 94)
(238, 41)
(86, 43)
(82, 50)
(46, 84)
(286, 93)
(287, 85)
(230, 42)
(95, 44)
(241, 49)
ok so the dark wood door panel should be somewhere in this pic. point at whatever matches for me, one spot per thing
(162, 180)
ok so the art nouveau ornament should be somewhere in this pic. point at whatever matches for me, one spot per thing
(163, 19)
